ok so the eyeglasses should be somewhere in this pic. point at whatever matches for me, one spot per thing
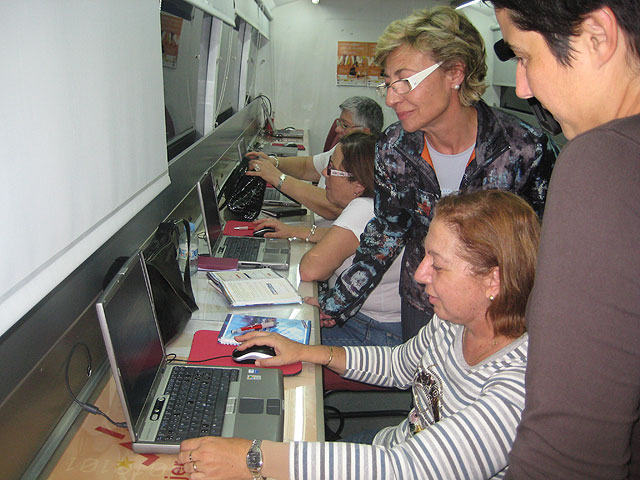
(405, 85)
(332, 172)
(345, 126)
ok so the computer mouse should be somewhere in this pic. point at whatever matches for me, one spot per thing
(261, 231)
(291, 144)
(251, 354)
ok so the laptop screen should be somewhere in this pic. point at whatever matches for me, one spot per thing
(134, 335)
(209, 207)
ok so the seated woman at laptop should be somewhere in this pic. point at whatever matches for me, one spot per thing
(349, 185)
(292, 175)
(465, 367)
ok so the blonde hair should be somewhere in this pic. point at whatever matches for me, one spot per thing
(446, 36)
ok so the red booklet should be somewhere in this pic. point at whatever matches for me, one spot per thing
(217, 264)
(236, 228)
(205, 345)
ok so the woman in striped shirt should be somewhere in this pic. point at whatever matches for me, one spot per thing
(465, 368)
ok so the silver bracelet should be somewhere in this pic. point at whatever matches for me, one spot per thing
(312, 231)
(281, 181)
(276, 159)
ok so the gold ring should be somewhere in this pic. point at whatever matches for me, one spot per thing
(195, 469)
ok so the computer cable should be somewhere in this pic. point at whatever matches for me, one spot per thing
(86, 406)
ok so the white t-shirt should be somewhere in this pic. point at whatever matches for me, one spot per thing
(320, 162)
(450, 168)
(383, 304)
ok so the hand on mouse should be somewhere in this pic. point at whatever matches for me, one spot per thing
(282, 230)
(287, 351)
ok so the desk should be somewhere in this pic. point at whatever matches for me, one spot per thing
(100, 450)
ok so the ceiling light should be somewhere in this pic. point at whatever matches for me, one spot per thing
(315, 2)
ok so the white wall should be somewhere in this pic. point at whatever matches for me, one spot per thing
(83, 147)
(297, 67)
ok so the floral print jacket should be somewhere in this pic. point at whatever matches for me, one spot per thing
(510, 155)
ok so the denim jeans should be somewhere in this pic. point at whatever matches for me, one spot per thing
(362, 330)
(413, 319)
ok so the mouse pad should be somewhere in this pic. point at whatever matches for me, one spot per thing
(236, 228)
(205, 345)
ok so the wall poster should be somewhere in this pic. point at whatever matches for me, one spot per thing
(171, 27)
(353, 63)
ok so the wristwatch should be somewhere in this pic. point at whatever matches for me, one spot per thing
(254, 460)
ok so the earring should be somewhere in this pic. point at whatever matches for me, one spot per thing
(491, 298)
(456, 87)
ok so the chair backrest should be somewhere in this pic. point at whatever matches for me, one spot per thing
(332, 138)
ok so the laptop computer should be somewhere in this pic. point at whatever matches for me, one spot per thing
(158, 398)
(251, 252)
(272, 196)
(289, 132)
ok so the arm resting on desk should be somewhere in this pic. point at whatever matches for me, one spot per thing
(328, 254)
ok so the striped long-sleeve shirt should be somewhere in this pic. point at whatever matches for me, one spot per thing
(479, 409)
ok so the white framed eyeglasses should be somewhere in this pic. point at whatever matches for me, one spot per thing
(405, 85)
(332, 172)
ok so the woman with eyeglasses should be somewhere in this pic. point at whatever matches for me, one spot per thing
(446, 140)
(465, 368)
(349, 185)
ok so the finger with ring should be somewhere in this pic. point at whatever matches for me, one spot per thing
(256, 167)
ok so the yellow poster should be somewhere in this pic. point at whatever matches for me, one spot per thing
(352, 63)
(375, 73)
(171, 27)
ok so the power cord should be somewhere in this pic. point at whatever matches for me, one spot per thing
(86, 406)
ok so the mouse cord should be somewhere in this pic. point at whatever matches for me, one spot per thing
(174, 358)
(86, 406)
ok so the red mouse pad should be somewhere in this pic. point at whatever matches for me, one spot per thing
(205, 345)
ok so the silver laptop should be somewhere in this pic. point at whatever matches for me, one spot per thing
(289, 132)
(157, 397)
(251, 252)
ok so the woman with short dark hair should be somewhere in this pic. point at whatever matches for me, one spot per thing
(581, 59)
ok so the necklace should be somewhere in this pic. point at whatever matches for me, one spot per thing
(480, 355)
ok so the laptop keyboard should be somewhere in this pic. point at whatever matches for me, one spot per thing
(242, 248)
(196, 403)
(271, 194)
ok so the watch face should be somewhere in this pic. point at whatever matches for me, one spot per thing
(254, 458)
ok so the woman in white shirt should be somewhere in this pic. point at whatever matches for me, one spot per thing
(349, 185)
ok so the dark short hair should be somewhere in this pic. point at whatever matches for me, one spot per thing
(497, 228)
(559, 20)
(358, 152)
(366, 112)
